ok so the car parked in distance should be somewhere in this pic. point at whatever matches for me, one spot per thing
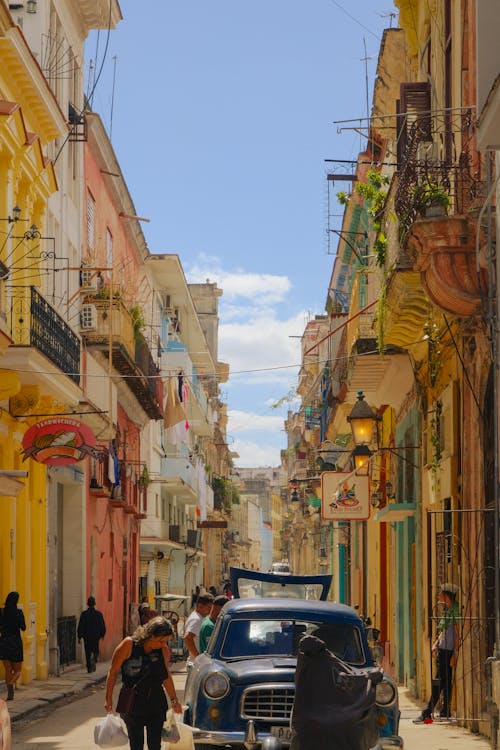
(240, 692)
(280, 567)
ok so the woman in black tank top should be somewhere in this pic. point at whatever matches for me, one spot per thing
(142, 660)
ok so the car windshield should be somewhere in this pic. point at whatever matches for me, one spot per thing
(254, 638)
(249, 588)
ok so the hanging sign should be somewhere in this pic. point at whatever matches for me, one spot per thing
(59, 441)
(344, 495)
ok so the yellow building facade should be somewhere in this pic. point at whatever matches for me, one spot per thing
(29, 119)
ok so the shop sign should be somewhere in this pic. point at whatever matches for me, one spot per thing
(344, 495)
(59, 441)
(212, 524)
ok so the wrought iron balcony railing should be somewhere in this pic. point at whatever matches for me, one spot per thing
(439, 151)
(34, 322)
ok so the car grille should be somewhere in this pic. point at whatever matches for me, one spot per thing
(268, 702)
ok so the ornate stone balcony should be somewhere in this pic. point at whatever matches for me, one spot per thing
(444, 251)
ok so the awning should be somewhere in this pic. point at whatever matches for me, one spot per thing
(394, 512)
(170, 597)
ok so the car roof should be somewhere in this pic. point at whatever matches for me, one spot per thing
(288, 608)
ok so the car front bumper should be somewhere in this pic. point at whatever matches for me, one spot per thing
(253, 740)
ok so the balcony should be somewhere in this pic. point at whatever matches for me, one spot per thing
(38, 333)
(444, 249)
(198, 410)
(109, 324)
(178, 476)
(439, 150)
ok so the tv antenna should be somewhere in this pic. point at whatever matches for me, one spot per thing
(390, 14)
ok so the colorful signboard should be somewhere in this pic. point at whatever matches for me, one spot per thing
(344, 496)
(59, 441)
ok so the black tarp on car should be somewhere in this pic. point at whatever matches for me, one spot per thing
(334, 706)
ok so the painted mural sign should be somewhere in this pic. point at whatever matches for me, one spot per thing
(344, 496)
(59, 441)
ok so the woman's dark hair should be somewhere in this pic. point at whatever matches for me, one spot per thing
(12, 600)
(155, 628)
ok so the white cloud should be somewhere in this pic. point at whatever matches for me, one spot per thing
(261, 289)
(256, 454)
(262, 342)
(244, 421)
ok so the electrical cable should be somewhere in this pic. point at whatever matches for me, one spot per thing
(338, 5)
(96, 81)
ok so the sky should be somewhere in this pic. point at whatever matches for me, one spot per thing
(222, 115)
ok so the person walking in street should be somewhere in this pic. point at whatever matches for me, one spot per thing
(145, 612)
(143, 661)
(208, 623)
(193, 625)
(445, 648)
(91, 628)
(11, 644)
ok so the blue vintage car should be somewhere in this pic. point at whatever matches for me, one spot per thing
(240, 692)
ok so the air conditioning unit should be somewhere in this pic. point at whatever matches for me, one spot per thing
(88, 280)
(174, 533)
(88, 318)
(194, 538)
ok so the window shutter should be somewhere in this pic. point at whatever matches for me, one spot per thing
(413, 106)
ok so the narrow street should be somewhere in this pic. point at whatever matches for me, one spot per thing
(72, 726)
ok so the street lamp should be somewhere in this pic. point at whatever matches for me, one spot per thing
(361, 456)
(361, 420)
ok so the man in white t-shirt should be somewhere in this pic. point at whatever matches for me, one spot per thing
(193, 625)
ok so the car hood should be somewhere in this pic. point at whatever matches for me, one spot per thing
(245, 671)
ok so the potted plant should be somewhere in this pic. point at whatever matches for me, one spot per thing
(431, 198)
(138, 320)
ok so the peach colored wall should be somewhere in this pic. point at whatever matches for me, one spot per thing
(112, 571)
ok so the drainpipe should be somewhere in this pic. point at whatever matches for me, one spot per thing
(493, 330)
(492, 320)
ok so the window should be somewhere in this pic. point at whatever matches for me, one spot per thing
(90, 221)
(109, 249)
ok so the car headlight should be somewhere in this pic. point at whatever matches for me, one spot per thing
(385, 694)
(216, 685)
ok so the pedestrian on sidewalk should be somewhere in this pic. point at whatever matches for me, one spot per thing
(143, 661)
(11, 644)
(445, 649)
(91, 628)
(208, 623)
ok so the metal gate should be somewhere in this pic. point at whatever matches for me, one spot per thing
(460, 546)
(66, 640)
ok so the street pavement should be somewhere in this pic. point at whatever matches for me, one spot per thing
(31, 702)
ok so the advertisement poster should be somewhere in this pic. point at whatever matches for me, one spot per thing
(344, 496)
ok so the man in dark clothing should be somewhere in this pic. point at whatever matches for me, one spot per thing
(91, 628)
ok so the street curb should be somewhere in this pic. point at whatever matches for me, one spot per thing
(59, 696)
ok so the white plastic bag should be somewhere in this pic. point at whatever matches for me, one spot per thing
(185, 741)
(109, 732)
(170, 732)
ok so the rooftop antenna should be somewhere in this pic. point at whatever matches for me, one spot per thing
(365, 60)
(112, 98)
(390, 14)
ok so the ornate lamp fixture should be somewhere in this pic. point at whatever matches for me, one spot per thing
(362, 419)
